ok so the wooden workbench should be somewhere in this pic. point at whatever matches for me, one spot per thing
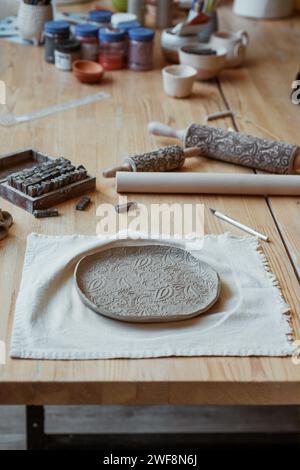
(100, 135)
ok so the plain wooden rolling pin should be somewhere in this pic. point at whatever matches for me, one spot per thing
(235, 147)
(208, 183)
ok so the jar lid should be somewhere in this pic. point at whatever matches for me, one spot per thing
(141, 34)
(130, 25)
(100, 16)
(111, 34)
(71, 45)
(86, 30)
(56, 27)
(119, 18)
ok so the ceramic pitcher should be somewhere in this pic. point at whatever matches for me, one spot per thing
(235, 44)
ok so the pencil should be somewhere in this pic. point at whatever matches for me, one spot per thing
(239, 225)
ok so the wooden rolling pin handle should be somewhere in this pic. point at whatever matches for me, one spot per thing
(111, 172)
(297, 163)
(162, 130)
(191, 152)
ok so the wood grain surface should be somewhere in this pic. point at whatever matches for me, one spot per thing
(99, 136)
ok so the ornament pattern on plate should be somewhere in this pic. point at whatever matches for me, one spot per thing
(149, 283)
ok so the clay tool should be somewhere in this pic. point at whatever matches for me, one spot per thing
(235, 147)
(239, 225)
(11, 120)
(124, 208)
(83, 203)
(42, 214)
(219, 115)
(165, 159)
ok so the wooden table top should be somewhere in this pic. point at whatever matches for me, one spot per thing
(100, 135)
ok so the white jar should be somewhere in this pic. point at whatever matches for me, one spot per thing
(264, 9)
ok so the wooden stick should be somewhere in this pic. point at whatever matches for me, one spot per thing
(191, 152)
(111, 172)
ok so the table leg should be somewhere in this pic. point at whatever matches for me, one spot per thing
(35, 419)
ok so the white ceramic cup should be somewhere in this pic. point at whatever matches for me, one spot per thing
(235, 44)
(178, 80)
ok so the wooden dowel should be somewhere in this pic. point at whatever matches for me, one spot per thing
(111, 172)
(297, 163)
(191, 152)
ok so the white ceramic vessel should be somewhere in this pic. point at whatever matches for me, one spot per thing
(31, 20)
(178, 80)
(264, 9)
(171, 43)
(235, 44)
(207, 66)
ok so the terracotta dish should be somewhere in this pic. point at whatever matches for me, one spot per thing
(87, 71)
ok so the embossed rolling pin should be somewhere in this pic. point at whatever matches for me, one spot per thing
(208, 183)
(235, 147)
(165, 159)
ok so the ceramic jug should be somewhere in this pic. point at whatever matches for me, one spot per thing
(235, 44)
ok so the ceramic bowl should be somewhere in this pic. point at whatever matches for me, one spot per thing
(207, 65)
(178, 80)
(87, 71)
(171, 43)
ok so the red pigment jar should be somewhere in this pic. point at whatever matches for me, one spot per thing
(112, 55)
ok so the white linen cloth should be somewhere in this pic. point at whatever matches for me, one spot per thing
(51, 322)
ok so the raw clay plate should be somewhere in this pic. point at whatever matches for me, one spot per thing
(152, 283)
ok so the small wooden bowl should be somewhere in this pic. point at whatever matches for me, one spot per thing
(87, 71)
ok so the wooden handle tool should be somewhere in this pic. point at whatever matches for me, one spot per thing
(235, 147)
(165, 159)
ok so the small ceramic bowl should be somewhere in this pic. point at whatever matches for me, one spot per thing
(87, 71)
(171, 43)
(207, 63)
(178, 80)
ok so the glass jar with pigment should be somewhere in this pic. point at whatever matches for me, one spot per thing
(87, 35)
(140, 53)
(112, 54)
(54, 32)
(66, 53)
(101, 17)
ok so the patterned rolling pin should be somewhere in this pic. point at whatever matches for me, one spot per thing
(235, 147)
(165, 159)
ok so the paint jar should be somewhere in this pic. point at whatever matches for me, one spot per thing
(118, 19)
(140, 54)
(87, 35)
(127, 27)
(112, 53)
(101, 17)
(130, 25)
(66, 53)
(54, 32)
